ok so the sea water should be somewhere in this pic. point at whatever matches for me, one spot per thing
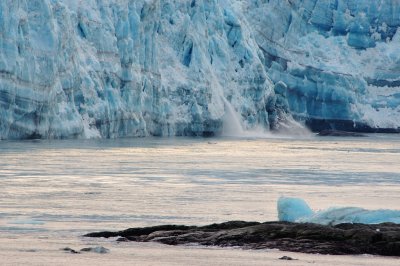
(62, 189)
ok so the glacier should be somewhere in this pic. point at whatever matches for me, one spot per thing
(297, 210)
(107, 68)
(338, 58)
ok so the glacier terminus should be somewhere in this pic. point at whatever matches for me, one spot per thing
(107, 68)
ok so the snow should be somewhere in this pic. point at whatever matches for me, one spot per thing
(297, 210)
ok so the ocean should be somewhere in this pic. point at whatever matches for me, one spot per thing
(54, 191)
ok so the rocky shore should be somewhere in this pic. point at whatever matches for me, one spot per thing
(343, 239)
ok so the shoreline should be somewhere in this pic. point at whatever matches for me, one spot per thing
(30, 250)
(343, 239)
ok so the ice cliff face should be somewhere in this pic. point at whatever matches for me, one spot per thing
(339, 59)
(127, 68)
(106, 68)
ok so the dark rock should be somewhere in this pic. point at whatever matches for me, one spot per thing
(99, 249)
(338, 133)
(136, 232)
(382, 239)
(70, 250)
(318, 125)
(286, 258)
(28, 250)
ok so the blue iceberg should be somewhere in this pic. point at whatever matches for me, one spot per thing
(297, 210)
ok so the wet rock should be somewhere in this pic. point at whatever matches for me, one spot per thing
(296, 237)
(70, 250)
(28, 250)
(286, 258)
(98, 249)
(338, 133)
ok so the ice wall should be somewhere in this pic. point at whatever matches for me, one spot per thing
(103, 68)
(107, 68)
(338, 58)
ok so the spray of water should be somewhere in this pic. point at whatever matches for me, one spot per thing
(232, 127)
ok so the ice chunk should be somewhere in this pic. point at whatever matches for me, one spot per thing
(297, 210)
(293, 209)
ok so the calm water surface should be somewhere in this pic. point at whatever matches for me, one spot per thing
(62, 187)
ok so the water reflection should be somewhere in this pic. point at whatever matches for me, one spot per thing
(79, 185)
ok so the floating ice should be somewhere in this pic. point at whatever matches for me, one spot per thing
(292, 209)
(297, 210)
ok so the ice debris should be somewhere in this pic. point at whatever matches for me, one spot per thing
(297, 210)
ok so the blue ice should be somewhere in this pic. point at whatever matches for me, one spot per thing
(297, 210)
